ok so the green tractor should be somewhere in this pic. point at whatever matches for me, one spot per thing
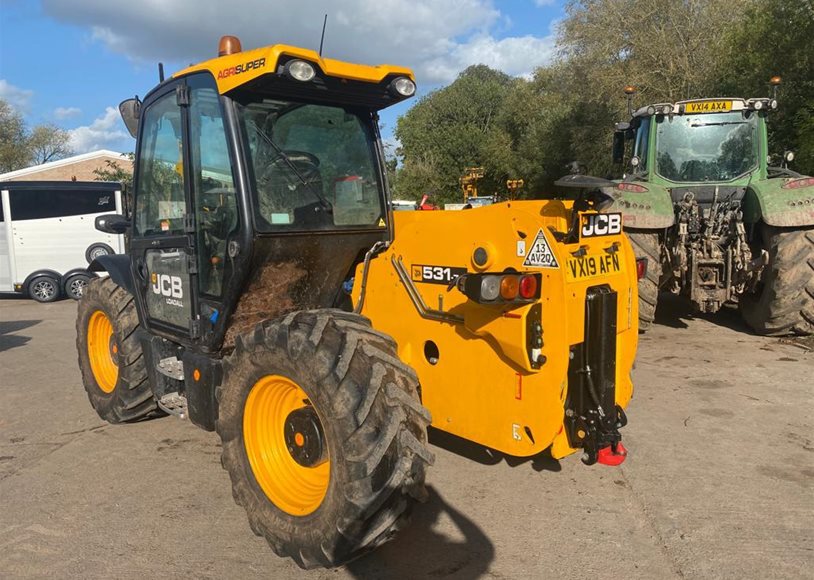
(716, 220)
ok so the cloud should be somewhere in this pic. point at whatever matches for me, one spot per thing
(66, 112)
(18, 98)
(105, 132)
(517, 56)
(432, 36)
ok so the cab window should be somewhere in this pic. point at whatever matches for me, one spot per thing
(213, 185)
(160, 205)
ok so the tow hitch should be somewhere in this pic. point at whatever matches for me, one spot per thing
(592, 418)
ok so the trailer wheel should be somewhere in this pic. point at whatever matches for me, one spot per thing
(646, 245)
(43, 289)
(324, 436)
(110, 355)
(75, 285)
(783, 303)
(98, 250)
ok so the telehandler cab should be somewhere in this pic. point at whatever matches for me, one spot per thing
(269, 294)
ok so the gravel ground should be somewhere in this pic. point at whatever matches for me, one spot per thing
(718, 483)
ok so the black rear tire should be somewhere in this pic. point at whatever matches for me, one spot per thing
(783, 303)
(646, 245)
(44, 289)
(74, 286)
(131, 399)
(374, 426)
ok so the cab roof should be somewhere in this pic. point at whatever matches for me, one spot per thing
(237, 69)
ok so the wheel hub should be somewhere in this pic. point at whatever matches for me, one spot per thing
(304, 437)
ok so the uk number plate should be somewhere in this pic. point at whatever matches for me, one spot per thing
(591, 266)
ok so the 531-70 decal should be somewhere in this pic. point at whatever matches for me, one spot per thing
(435, 274)
(601, 224)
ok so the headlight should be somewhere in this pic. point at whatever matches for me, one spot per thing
(300, 70)
(403, 86)
(651, 110)
(758, 105)
(666, 109)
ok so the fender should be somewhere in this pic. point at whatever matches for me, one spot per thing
(650, 210)
(50, 273)
(118, 266)
(767, 200)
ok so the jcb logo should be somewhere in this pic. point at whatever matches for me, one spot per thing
(167, 285)
(601, 224)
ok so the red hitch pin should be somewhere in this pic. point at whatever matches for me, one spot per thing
(612, 454)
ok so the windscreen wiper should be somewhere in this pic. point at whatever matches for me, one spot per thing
(280, 153)
(721, 124)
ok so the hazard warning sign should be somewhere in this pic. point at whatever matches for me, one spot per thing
(540, 254)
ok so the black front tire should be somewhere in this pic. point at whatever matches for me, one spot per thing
(646, 245)
(783, 303)
(131, 399)
(374, 424)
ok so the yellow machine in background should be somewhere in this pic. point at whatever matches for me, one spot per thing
(484, 376)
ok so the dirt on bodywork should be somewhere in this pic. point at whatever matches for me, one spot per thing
(271, 293)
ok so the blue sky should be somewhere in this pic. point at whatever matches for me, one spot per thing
(70, 62)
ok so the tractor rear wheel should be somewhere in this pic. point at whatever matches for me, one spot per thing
(110, 356)
(324, 436)
(646, 245)
(783, 302)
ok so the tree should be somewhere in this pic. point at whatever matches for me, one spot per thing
(21, 147)
(48, 143)
(774, 37)
(13, 150)
(454, 128)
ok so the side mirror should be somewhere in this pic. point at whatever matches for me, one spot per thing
(112, 223)
(130, 110)
(618, 147)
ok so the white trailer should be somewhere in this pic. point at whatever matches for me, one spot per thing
(48, 235)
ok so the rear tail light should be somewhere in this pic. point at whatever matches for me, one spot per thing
(631, 187)
(641, 268)
(490, 288)
(528, 286)
(509, 287)
(500, 288)
(798, 183)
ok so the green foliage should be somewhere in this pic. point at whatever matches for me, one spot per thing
(13, 152)
(21, 147)
(669, 49)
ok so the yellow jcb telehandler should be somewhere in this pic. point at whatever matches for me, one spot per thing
(270, 295)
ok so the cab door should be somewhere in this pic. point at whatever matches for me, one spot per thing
(185, 211)
(162, 244)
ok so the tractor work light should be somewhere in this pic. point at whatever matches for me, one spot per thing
(651, 110)
(666, 109)
(403, 86)
(500, 288)
(300, 70)
(758, 105)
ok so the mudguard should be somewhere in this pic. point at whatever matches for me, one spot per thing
(767, 200)
(118, 266)
(648, 210)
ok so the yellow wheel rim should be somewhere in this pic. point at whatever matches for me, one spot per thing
(102, 351)
(294, 488)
